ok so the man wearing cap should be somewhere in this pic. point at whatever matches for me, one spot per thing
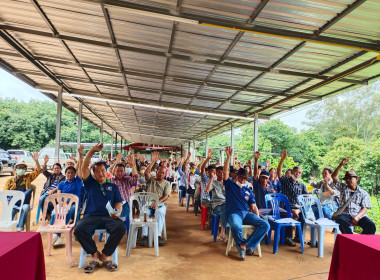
(261, 187)
(241, 210)
(22, 182)
(354, 214)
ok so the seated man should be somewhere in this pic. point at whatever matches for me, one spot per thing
(218, 202)
(353, 202)
(22, 182)
(51, 184)
(291, 187)
(261, 187)
(242, 210)
(100, 192)
(327, 194)
(161, 187)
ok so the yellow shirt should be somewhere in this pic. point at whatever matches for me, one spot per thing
(27, 181)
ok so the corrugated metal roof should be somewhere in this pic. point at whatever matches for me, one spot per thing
(196, 57)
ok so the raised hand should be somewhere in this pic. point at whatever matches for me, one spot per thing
(284, 154)
(80, 149)
(118, 157)
(46, 159)
(155, 156)
(257, 155)
(229, 151)
(98, 147)
(130, 159)
(35, 156)
(345, 160)
(210, 153)
(268, 163)
(249, 162)
(188, 154)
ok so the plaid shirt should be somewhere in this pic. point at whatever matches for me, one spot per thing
(359, 201)
(125, 185)
(292, 190)
(27, 181)
(205, 180)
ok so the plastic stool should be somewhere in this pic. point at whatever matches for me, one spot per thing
(83, 253)
(204, 211)
(215, 225)
(179, 197)
(188, 201)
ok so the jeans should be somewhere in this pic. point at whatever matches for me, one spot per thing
(24, 214)
(41, 202)
(85, 228)
(344, 221)
(221, 211)
(236, 220)
(183, 191)
(161, 212)
(326, 209)
(69, 215)
(125, 211)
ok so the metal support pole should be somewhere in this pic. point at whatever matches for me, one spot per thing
(194, 151)
(206, 145)
(121, 145)
(79, 125)
(188, 147)
(181, 151)
(116, 145)
(256, 135)
(101, 137)
(232, 142)
(112, 144)
(58, 125)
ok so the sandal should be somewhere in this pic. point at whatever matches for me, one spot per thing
(111, 266)
(222, 239)
(90, 267)
(249, 252)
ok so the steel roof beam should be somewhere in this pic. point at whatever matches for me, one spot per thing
(189, 58)
(18, 74)
(241, 26)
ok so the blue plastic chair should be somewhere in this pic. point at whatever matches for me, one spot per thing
(279, 224)
(306, 201)
(188, 201)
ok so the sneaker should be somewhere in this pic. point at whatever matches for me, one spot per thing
(19, 229)
(58, 242)
(161, 241)
(241, 252)
(54, 239)
(289, 242)
(144, 241)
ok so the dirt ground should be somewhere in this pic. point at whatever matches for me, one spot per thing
(191, 254)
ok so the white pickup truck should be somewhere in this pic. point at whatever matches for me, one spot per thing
(23, 155)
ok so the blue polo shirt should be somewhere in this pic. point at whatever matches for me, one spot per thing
(237, 199)
(260, 193)
(73, 187)
(96, 201)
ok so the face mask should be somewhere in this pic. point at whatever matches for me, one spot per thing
(92, 173)
(20, 172)
(240, 184)
(153, 173)
(192, 170)
(128, 170)
(294, 178)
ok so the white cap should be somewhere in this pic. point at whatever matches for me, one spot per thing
(21, 162)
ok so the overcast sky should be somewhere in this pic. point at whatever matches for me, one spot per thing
(12, 87)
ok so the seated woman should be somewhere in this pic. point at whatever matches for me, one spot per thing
(72, 185)
(327, 194)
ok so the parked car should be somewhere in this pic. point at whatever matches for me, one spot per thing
(23, 155)
(51, 153)
(7, 161)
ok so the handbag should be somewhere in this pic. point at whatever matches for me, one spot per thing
(341, 209)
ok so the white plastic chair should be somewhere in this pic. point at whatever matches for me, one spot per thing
(6, 223)
(306, 201)
(144, 200)
(230, 242)
(62, 206)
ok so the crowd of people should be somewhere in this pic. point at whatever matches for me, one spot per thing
(235, 192)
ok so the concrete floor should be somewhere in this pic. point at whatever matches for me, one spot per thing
(191, 254)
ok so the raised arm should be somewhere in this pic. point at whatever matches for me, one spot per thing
(209, 184)
(118, 160)
(249, 164)
(284, 155)
(256, 165)
(210, 153)
(337, 170)
(226, 166)
(80, 150)
(155, 157)
(87, 160)
(131, 161)
(35, 158)
(185, 165)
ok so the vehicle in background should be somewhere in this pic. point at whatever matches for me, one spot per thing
(95, 158)
(7, 162)
(23, 155)
(51, 154)
(1, 167)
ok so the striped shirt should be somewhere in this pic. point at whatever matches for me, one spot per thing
(125, 185)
